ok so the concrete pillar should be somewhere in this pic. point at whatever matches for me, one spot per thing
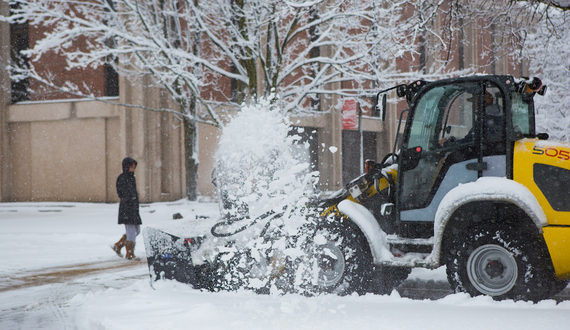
(330, 150)
(154, 139)
(330, 139)
(5, 86)
(137, 143)
(390, 128)
(132, 128)
(151, 146)
(470, 47)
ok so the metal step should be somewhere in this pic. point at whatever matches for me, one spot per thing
(408, 259)
(395, 239)
(408, 262)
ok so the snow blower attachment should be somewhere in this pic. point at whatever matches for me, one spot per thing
(169, 257)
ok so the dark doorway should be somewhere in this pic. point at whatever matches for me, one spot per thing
(351, 152)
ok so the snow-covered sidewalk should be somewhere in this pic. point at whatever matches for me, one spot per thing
(39, 236)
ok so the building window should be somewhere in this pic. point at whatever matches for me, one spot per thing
(111, 81)
(111, 75)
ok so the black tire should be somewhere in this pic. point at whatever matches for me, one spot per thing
(338, 260)
(501, 263)
(233, 270)
(558, 286)
(387, 278)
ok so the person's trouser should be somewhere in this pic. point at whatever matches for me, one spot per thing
(132, 232)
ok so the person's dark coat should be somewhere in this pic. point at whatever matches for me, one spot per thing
(127, 191)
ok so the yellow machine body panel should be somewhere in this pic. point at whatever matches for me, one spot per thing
(544, 168)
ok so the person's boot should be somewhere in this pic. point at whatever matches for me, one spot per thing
(119, 246)
(130, 246)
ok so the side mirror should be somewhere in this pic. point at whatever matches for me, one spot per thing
(384, 108)
(381, 107)
(542, 136)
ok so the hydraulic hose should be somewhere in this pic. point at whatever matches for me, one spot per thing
(272, 214)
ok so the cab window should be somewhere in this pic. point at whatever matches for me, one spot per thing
(443, 114)
(522, 113)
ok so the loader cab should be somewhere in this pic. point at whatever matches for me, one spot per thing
(457, 131)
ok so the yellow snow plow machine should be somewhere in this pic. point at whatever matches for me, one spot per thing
(470, 185)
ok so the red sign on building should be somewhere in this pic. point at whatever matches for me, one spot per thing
(350, 114)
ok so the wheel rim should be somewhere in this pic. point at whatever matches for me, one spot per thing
(492, 270)
(331, 264)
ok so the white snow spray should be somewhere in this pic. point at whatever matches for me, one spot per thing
(260, 164)
(265, 185)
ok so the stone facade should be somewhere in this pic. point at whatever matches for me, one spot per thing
(5, 175)
(72, 151)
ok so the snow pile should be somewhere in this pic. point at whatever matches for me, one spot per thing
(176, 306)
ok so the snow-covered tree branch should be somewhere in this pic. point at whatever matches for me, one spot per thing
(548, 52)
(295, 50)
(196, 49)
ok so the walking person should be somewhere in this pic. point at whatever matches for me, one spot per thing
(128, 208)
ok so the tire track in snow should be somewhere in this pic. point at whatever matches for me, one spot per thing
(55, 308)
(48, 305)
(413, 289)
(63, 274)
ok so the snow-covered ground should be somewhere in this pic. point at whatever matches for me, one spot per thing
(58, 272)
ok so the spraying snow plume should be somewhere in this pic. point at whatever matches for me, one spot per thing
(265, 187)
(258, 165)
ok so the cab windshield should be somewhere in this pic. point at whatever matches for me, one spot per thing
(523, 116)
(443, 113)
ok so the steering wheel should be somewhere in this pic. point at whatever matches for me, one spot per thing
(448, 140)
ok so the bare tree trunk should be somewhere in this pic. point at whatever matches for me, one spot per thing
(191, 135)
(191, 162)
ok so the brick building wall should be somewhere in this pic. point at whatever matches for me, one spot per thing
(58, 148)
